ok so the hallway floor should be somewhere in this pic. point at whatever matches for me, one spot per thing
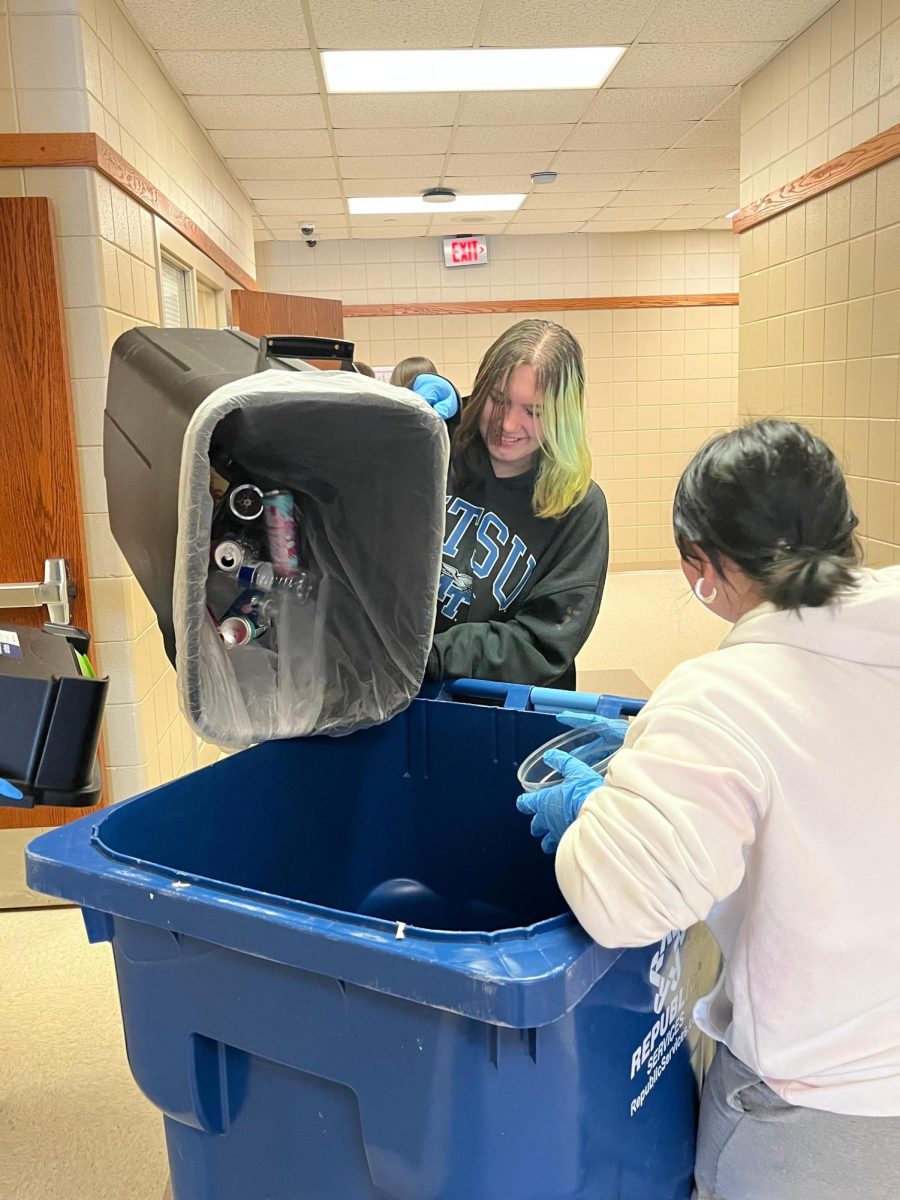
(73, 1125)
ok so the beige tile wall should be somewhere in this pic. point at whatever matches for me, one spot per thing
(79, 65)
(820, 309)
(660, 380)
(375, 271)
(835, 86)
(108, 250)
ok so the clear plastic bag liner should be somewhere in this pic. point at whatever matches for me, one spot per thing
(367, 463)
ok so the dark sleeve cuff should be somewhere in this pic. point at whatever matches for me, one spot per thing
(433, 667)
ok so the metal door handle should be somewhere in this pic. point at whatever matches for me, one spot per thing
(55, 592)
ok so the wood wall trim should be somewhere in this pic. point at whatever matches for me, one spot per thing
(873, 152)
(89, 150)
(555, 304)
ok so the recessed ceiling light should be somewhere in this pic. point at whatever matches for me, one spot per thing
(376, 205)
(468, 70)
(734, 212)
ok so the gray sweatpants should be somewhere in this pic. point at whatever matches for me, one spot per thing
(755, 1146)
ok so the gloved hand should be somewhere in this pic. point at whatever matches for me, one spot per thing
(439, 393)
(555, 808)
(610, 733)
(8, 791)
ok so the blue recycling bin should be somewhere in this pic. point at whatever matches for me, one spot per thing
(346, 973)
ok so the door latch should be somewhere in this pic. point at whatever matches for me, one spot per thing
(56, 591)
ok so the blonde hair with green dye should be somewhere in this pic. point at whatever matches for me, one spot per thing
(564, 471)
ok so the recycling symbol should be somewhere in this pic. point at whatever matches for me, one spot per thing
(665, 969)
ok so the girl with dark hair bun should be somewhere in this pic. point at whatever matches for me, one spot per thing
(771, 501)
(759, 791)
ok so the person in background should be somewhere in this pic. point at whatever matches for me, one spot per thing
(364, 369)
(527, 545)
(419, 374)
(759, 791)
(408, 368)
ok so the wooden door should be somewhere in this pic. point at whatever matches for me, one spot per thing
(260, 313)
(40, 492)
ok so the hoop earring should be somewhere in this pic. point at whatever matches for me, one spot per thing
(698, 592)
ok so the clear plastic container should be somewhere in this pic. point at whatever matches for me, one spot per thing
(534, 773)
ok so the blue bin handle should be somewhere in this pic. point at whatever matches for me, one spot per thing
(504, 695)
(554, 700)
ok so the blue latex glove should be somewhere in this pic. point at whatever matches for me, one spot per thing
(610, 733)
(439, 393)
(554, 808)
(8, 792)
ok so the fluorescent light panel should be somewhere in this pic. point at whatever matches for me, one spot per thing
(367, 206)
(468, 70)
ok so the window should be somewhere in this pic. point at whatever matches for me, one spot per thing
(207, 316)
(175, 292)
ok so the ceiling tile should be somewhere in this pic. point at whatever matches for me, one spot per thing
(392, 142)
(382, 221)
(287, 222)
(730, 20)
(629, 135)
(220, 24)
(393, 112)
(241, 72)
(698, 158)
(654, 103)
(562, 22)
(501, 164)
(643, 213)
(583, 161)
(377, 166)
(301, 189)
(719, 223)
(690, 65)
(680, 223)
(635, 199)
(618, 226)
(301, 209)
(704, 212)
(714, 133)
(391, 186)
(475, 139)
(542, 200)
(585, 181)
(663, 180)
(283, 168)
(480, 185)
(258, 112)
(400, 25)
(244, 143)
(728, 110)
(515, 227)
(466, 221)
(568, 216)
(727, 196)
(389, 231)
(523, 108)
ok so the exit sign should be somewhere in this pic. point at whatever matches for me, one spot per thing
(465, 251)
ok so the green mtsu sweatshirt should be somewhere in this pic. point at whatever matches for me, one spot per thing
(519, 594)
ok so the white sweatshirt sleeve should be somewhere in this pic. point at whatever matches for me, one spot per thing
(663, 841)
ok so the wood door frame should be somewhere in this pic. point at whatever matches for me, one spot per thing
(36, 390)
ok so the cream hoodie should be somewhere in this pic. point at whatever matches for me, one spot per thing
(759, 791)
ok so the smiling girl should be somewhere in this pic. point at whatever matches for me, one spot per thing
(527, 543)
